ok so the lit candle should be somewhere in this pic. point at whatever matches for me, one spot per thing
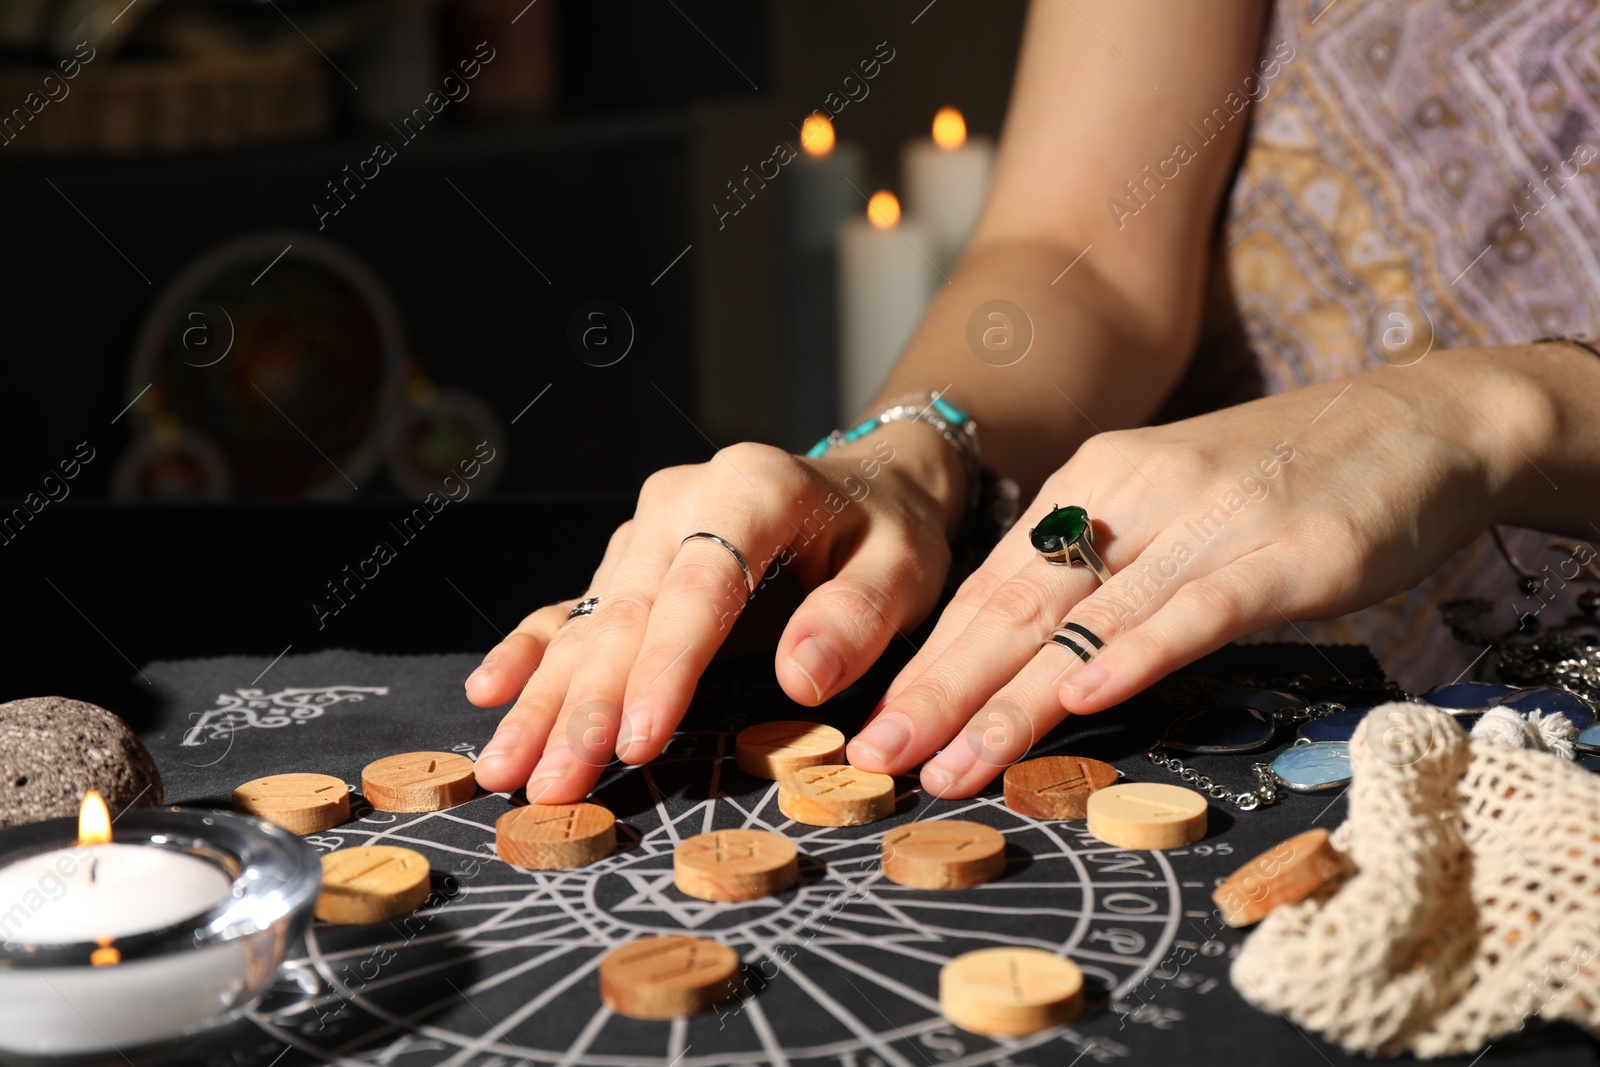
(946, 179)
(885, 281)
(101, 891)
(821, 188)
(149, 940)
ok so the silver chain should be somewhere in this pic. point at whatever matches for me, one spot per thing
(1571, 663)
(1266, 791)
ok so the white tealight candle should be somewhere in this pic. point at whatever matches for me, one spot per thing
(947, 178)
(885, 281)
(92, 894)
(100, 892)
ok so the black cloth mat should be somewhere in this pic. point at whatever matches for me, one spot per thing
(499, 968)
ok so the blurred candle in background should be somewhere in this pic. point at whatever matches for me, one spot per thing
(885, 281)
(946, 178)
(819, 191)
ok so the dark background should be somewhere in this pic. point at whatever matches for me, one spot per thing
(632, 115)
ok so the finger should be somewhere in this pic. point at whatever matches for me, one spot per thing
(1002, 731)
(506, 669)
(884, 588)
(508, 666)
(508, 759)
(998, 638)
(1200, 616)
(995, 644)
(1002, 563)
(1013, 553)
(567, 771)
(702, 595)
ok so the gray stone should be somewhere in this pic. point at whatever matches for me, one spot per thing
(52, 750)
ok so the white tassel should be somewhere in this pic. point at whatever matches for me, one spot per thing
(1556, 731)
(1543, 731)
(1505, 727)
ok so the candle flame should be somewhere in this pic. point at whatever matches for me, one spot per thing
(883, 210)
(949, 129)
(94, 821)
(816, 135)
(105, 955)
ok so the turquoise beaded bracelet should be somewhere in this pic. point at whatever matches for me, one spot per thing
(948, 420)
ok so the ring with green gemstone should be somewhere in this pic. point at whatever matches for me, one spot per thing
(1066, 536)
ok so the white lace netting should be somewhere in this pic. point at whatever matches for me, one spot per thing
(1469, 901)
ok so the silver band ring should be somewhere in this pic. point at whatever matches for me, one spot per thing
(749, 578)
(583, 607)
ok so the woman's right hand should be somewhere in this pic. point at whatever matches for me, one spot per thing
(864, 529)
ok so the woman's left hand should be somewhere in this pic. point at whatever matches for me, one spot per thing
(1303, 505)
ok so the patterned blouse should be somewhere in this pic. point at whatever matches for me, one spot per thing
(1414, 171)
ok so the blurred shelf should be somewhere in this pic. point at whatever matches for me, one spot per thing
(567, 135)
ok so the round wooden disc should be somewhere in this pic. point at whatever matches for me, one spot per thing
(769, 749)
(1055, 787)
(1009, 992)
(1147, 815)
(947, 854)
(371, 883)
(418, 781)
(300, 803)
(833, 794)
(548, 837)
(735, 865)
(1292, 871)
(667, 977)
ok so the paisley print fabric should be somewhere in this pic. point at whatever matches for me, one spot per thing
(1416, 169)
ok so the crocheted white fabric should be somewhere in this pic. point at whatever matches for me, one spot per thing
(1470, 900)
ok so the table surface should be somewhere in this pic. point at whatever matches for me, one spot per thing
(499, 967)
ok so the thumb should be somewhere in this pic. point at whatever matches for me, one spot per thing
(887, 586)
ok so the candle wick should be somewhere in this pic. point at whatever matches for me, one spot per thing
(94, 866)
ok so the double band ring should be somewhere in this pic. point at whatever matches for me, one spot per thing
(1079, 639)
(1066, 536)
(749, 576)
(583, 607)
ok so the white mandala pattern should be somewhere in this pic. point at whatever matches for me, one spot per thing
(843, 970)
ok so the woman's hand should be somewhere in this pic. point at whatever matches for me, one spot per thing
(864, 528)
(1303, 505)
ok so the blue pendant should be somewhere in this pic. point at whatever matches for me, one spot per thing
(1264, 700)
(1589, 761)
(1547, 699)
(1467, 696)
(1225, 728)
(1590, 738)
(1311, 768)
(1339, 726)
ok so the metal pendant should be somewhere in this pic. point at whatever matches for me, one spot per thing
(1225, 728)
(1548, 699)
(1459, 697)
(1339, 726)
(1267, 701)
(1589, 740)
(1311, 767)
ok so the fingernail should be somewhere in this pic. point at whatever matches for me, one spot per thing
(504, 740)
(635, 727)
(884, 737)
(953, 762)
(821, 665)
(1087, 680)
(542, 780)
(942, 779)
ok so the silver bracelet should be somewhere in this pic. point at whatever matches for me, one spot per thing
(951, 423)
